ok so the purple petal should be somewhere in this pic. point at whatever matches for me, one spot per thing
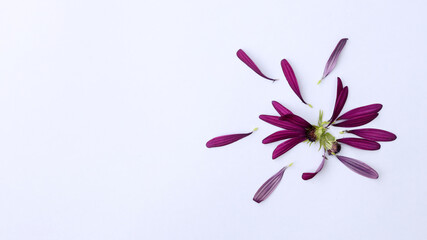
(332, 61)
(268, 187)
(226, 139)
(281, 109)
(339, 104)
(295, 119)
(358, 167)
(286, 146)
(360, 143)
(292, 80)
(308, 175)
(275, 120)
(248, 61)
(339, 86)
(374, 134)
(357, 121)
(365, 110)
(281, 135)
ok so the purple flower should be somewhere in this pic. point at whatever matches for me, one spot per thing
(373, 134)
(332, 61)
(248, 61)
(227, 139)
(292, 80)
(268, 187)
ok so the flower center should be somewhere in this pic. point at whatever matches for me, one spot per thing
(321, 135)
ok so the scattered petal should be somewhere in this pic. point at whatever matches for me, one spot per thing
(374, 134)
(295, 119)
(286, 146)
(332, 61)
(275, 120)
(360, 143)
(268, 187)
(282, 135)
(357, 121)
(248, 61)
(339, 104)
(365, 110)
(308, 175)
(358, 167)
(281, 109)
(226, 139)
(290, 77)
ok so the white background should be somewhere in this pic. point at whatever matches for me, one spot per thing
(106, 107)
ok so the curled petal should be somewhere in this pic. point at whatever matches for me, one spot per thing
(374, 134)
(308, 175)
(281, 109)
(248, 61)
(360, 111)
(275, 120)
(358, 167)
(360, 143)
(290, 77)
(268, 187)
(339, 104)
(357, 121)
(286, 146)
(295, 119)
(226, 139)
(281, 135)
(332, 61)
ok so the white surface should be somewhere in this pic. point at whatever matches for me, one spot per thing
(106, 107)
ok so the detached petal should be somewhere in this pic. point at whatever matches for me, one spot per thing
(275, 120)
(365, 110)
(286, 146)
(281, 109)
(268, 187)
(248, 61)
(360, 143)
(295, 119)
(332, 61)
(281, 135)
(308, 175)
(290, 77)
(226, 139)
(357, 121)
(374, 134)
(358, 167)
(339, 104)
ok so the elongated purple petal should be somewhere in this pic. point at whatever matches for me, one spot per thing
(365, 110)
(226, 139)
(374, 134)
(332, 61)
(286, 146)
(357, 121)
(281, 135)
(358, 167)
(308, 175)
(248, 61)
(360, 143)
(295, 119)
(339, 104)
(290, 77)
(281, 109)
(339, 86)
(275, 120)
(268, 187)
